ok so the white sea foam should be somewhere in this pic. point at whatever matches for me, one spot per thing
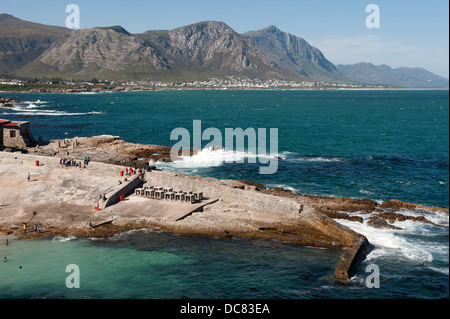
(33, 106)
(317, 159)
(35, 110)
(436, 217)
(376, 253)
(439, 270)
(36, 102)
(287, 155)
(388, 242)
(123, 235)
(365, 192)
(63, 239)
(415, 242)
(286, 187)
(215, 158)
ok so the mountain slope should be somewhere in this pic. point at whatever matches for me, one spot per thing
(197, 51)
(293, 53)
(106, 53)
(21, 42)
(368, 73)
(214, 49)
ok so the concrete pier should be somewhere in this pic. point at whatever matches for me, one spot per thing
(65, 198)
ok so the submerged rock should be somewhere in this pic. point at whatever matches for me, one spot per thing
(395, 204)
(395, 217)
(7, 102)
(376, 222)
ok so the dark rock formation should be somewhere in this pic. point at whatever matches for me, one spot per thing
(393, 217)
(8, 102)
(338, 215)
(377, 222)
(395, 205)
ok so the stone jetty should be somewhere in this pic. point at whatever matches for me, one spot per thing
(73, 200)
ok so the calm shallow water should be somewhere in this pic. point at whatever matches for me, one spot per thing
(362, 144)
(148, 265)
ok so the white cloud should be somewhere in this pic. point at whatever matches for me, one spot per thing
(374, 49)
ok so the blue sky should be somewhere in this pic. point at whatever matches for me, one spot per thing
(412, 33)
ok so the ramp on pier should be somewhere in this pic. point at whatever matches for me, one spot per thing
(140, 207)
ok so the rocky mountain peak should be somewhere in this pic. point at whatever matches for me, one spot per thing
(116, 28)
(294, 53)
(200, 50)
(211, 46)
(271, 29)
(5, 16)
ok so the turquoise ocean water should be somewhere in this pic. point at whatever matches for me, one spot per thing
(363, 144)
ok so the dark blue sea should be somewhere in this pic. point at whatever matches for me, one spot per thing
(377, 144)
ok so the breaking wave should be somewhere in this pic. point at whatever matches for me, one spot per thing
(37, 110)
(63, 239)
(388, 242)
(215, 158)
(316, 159)
(416, 242)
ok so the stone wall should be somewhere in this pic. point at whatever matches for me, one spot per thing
(352, 258)
(126, 189)
(19, 137)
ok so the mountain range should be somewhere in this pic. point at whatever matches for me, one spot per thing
(195, 52)
(382, 74)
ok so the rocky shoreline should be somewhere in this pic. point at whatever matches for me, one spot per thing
(112, 150)
(64, 199)
(89, 89)
(380, 214)
(7, 102)
(105, 149)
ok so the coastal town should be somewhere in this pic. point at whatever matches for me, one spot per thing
(228, 82)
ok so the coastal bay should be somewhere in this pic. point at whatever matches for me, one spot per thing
(361, 182)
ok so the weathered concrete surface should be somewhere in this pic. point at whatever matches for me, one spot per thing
(64, 200)
(125, 188)
(104, 148)
(140, 208)
(353, 256)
